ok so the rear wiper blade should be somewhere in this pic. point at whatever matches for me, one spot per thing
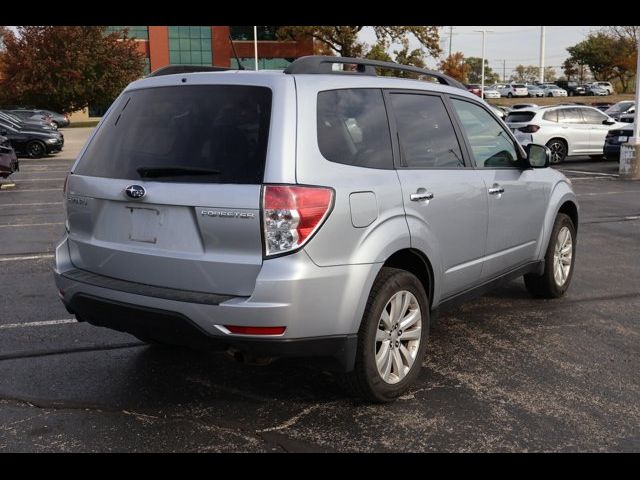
(155, 172)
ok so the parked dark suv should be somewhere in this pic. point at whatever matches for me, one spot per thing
(572, 88)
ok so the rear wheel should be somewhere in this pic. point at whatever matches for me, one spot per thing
(509, 95)
(558, 149)
(558, 261)
(392, 337)
(36, 149)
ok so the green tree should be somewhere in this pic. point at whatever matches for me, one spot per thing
(455, 66)
(607, 56)
(66, 68)
(475, 71)
(404, 56)
(343, 40)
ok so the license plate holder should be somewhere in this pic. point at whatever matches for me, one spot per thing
(145, 223)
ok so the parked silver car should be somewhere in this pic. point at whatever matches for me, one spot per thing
(306, 213)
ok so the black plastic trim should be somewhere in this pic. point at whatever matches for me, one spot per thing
(135, 288)
(175, 328)
(462, 297)
(176, 69)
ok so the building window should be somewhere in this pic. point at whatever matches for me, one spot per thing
(246, 33)
(263, 63)
(141, 33)
(190, 46)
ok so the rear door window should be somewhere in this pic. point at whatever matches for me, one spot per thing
(194, 134)
(353, 128)
(426, 134)
(569, 115)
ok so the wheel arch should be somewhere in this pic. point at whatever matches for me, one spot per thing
(416, 262)
(561, 200)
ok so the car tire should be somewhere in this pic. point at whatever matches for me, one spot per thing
(559, 149)
(555, 280)
(509, 95)
(381, 331)
(57, 125)
(36, 149)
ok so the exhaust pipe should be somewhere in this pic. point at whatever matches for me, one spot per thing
(247, 358)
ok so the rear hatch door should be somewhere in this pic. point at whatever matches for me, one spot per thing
(167, 193)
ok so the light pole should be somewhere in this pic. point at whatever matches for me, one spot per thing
(482, 74)
(255, 44)
(542, 54)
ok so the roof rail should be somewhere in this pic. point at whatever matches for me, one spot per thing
(174, 69)
(318, 64)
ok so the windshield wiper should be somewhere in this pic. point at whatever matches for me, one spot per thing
(156, 172)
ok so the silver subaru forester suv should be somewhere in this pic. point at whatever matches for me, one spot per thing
(311, 212)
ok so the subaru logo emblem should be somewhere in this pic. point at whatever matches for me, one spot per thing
(135, 191)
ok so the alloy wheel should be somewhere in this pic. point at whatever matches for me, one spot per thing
(562, 256)
(558, 151)
(398, 336)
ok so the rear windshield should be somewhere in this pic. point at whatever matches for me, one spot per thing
(194, 134)
(518, 85)
(520, 117)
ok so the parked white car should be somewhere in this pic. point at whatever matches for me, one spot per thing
(596, 90)
(566, 129)
(514, 90)
(535, 91)
(627, 117)
(604, 85)
(553, 91)
(490, 92)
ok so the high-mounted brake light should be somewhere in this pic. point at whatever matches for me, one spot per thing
(292, 214)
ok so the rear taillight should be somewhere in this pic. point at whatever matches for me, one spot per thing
(292, 214)
(529, 129)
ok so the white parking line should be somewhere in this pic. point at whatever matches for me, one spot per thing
(591, 173)
(32, 224)
(595, 194)
(22, 180)
(35, 190)
(27, 257)
(590, 178)
(38, 324)
(30, 204)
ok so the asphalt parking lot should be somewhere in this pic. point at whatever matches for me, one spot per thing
(503, 373)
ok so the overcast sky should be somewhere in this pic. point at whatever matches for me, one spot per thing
(514, 44)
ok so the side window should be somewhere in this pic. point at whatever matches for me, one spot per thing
(551, 116)
(491, 145)
(353, 128)
(569, 115)
(427, 137)
(593, 116)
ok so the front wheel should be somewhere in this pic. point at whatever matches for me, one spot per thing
(392, 337)
(558, 261)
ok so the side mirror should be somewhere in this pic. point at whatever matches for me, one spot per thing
(538, 156)
(608, 121)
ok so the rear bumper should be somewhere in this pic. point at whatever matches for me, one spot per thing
(321, 308)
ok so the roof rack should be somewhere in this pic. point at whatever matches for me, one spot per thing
(319, 64)
(174, 69)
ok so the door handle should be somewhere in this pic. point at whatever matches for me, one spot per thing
(497, 190)
(418, 197)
